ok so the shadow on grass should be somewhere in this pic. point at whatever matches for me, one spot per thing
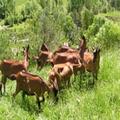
(84, 83)
(28, 104)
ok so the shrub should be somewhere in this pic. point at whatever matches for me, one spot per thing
(93, 29)
(4, 45)
(69, 28)
(6, 7)
(103, 33)
(109, 34)
(86, 18)
(30, 8)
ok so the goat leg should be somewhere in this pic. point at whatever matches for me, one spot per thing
(4, 79)
(16, 92)
(38, 102)
(94, 77)
(55, 95)
(43, 99)
(23, 95)
(68, 81)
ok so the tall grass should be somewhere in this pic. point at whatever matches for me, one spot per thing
(101, 102)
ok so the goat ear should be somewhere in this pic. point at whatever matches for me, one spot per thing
(23, 48)
(96, 50)
(28, 47)
(83, 37)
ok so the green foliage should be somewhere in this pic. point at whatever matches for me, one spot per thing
(93, 29)
(13, 19)
(100, 6)
(93, 6)
(103, 32)
(6, 7)
(109, 34)
(4, 45)
(49, 29)
(29, 11)
(101, 102)
(69, 28)
(115, 4)
(86, 18)
(54, 22)
(2, 8)
(30, 8)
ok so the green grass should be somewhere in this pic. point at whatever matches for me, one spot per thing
(114, 16)
(101, 102)
(20, 2)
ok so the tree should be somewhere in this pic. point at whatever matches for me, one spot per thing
(86, 18)
(7, 7)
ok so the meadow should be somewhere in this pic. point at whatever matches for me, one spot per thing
(100, 102)
(56, 22)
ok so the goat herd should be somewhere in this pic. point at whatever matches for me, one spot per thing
(65, 61)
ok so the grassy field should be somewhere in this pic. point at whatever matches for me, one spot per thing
(101, 102)
(114, 16)
(20, 2)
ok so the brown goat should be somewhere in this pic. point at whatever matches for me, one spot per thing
(43, 58)
(82, 46)
(9, 67)
(91, 62)
(61, 74)
(70, 56)
(31, 85)
(67, 54)
(61, 71)
(63, 49)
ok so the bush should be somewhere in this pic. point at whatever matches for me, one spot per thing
(30, 8)
(93, 29)
(29, 11)
(103, 33)
(4, 45)
(6, 7)
(69, 27)
(86, 18)
(109, 34)
(13, 19)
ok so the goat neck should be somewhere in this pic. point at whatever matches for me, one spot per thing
(82, 46)
(26, 58)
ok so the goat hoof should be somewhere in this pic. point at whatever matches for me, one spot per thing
(39, 110)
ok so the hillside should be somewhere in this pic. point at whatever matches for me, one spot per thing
(57, 22)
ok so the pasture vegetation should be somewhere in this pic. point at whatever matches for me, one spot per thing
(55, 22)
(100, 102)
